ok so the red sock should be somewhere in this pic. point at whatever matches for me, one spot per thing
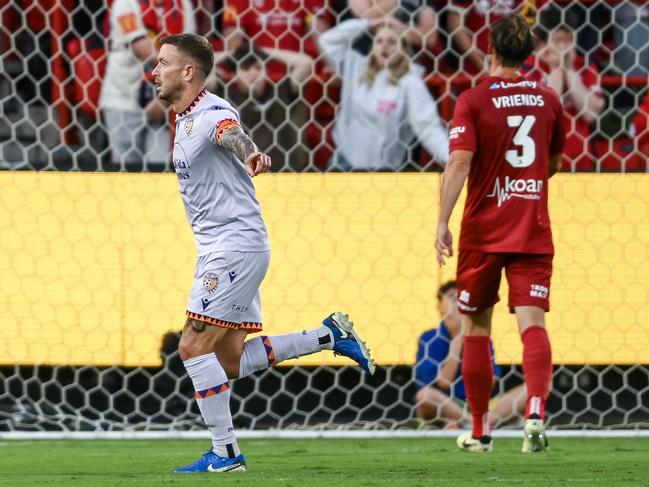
(537, 369)
(477, 373)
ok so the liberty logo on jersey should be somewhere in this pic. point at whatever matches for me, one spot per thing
(528, 189)
(520, 84)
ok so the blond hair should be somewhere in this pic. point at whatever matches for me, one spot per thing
(397, 70)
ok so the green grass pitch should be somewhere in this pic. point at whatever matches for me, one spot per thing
(327, 462)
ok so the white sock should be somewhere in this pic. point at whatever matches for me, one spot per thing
(213, 398)
(264, 351)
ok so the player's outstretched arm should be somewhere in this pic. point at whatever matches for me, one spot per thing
(455, 174)
(233, 138)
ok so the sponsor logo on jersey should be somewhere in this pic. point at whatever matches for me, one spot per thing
(497, 85)
(456, 131)
(180, 162)
(233, 275)
(210, 282)
(528, 189)
(239, 308)
(189, 124)
(538, 291)
(463, 301)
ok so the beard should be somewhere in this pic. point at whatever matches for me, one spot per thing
(170, 92)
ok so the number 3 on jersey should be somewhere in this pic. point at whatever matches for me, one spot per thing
(527, 153)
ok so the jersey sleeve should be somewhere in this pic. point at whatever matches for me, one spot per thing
(462, 135)
(127, 22)
(219, 120)
(431, 353)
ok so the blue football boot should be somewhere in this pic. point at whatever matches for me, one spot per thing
(347, 342)
(211, 462)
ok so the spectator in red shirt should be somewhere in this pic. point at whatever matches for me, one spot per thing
(275, 24)
(468, 24)
(558, 65)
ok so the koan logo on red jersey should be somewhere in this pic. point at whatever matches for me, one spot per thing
(528, 189)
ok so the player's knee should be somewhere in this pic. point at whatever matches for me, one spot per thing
(184, 350)
(187, 348)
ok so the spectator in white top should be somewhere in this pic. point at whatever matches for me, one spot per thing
(135, 119)
(384, 101)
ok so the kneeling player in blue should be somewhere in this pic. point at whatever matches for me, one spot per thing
(440, 388)
(214, 161)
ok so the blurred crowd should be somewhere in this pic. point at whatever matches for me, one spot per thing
(322, 85)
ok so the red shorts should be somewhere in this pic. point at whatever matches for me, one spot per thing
(478, 280)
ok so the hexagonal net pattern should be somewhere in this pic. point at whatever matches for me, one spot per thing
(96, 258)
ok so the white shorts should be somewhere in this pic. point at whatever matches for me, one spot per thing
(226, 289)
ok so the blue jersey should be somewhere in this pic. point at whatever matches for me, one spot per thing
(433, 349)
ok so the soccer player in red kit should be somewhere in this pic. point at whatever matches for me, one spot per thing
(506, 137)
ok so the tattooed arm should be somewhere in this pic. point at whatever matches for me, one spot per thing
(231, 136)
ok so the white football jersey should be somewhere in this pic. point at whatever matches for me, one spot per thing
(217, 192)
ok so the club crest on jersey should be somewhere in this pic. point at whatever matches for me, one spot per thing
(189, 124)
(210, 281)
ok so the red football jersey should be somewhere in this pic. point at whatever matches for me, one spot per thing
(512, 126)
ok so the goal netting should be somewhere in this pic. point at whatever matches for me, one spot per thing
(96, 258)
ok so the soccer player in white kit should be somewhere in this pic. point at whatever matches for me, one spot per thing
(214, 161)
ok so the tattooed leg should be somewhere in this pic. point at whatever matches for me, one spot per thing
(195, 325)
(199, 338)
